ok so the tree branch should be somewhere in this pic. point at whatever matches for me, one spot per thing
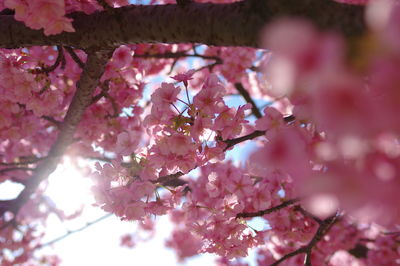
(238, 24)
(232, 142)
(324, 226)
(267, 211)
(52, 120)
(23, 161)
(169, 178)
(74, 56)
(16, 169)
(70, 232)
(178, 55)
(104, 4)
(60, 58)
(307, 214)
(239, 87)
(93, 70)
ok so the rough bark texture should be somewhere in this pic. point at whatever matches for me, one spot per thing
(235, 24)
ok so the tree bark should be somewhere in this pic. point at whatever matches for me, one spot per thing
(234, 24)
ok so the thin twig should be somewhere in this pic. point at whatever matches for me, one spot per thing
(103, 159)
(267, 211)
(16, 169)
(74, 56)
(239, 87)
(24, 162)
(169, 178)
(52, 120)
(323, 229)
(60, 59)
(307, 214)
(70, 232)
(182, 54)
(232, 142)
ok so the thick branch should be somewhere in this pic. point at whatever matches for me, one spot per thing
(236, 24)
(85, 87)
(178, 55)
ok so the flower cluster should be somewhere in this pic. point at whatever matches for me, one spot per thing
(181, 141)
(182, 136)
(42, 14)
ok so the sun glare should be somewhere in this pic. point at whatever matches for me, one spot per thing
(68, 188)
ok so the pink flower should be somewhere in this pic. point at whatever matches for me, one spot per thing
(180, 144)
(46, 14)
(122, 57)
(177, 144)
(240, 185)
(185, 243)
(140, 189)
(272, 119)
(209, 100)
(342, 105)
(127, 142)
(127, 241)
(165, 95)
(134, 211)
(200, 124)
(157, 207)
(229, 124)
(20, 7)
(184, 77)
(261, 199)
(286, 150)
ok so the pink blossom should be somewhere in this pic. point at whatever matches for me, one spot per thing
(134, 211)
(165, 95)
(240, 184)
(46, 14)
(127, 241)
(180, 144)
(184, 77)
(209, 100)
(122, 57)
(230, 123)
(261, 199)
(287, 151)
(20, 7)
(157, 207)
(272, 119)
(185, 243)
(139, 189)
(127, 142)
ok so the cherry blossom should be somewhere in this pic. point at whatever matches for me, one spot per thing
(287, 147)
